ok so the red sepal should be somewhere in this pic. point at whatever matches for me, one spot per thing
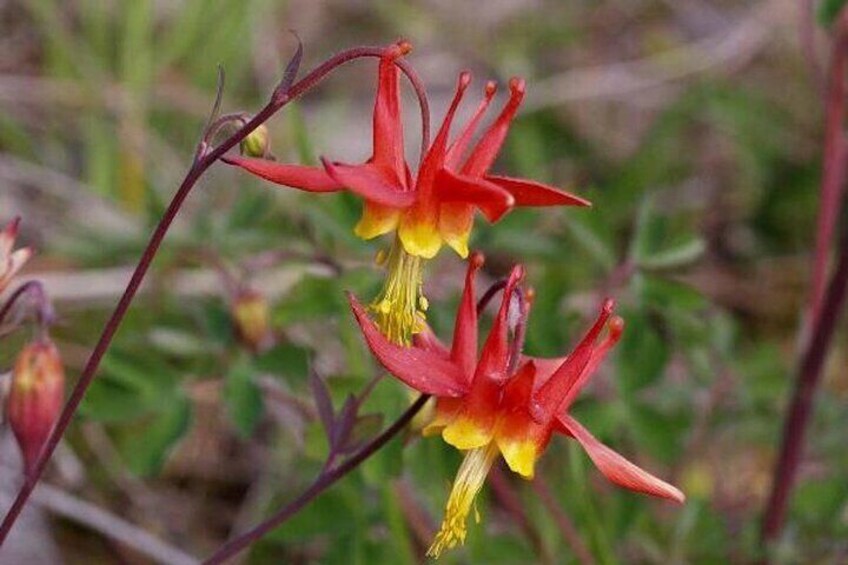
(564, 381)
(310, 179)
(488, 197)
(464, 346)
(532, 193)
(618, 469)
(371, 183)
(421, 369)
(494, 355)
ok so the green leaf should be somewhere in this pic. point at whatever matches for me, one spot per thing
(664, 295)
(145, 445)
(386, 464)
(331, 514)
(109, 402)
(129, 387)
(829, 10)
(286, 359)
(680, 255)
(242, 396)
(659, 434)
(643, 351)
(312, 298)
(217, 323)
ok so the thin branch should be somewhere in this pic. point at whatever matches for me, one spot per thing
(800, 408)
(325, 480)
(834, 167)
(114, 527)
(100, 285)
(14, 297)
(490, 293)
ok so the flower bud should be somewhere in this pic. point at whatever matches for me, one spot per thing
(423, 417)
(252, 319)
(257, 143)
(35, 398)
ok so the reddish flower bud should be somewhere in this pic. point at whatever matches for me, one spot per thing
(252, 319)
(35, 398)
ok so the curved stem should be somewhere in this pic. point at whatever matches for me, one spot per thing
(489, 294)
(800, 408)
(325, 480)
(520, 332)
(44, 310)
(203, 161)
(14, 297)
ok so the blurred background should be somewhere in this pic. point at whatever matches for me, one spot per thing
(694, 126)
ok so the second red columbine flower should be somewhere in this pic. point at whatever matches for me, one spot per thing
(496, 404)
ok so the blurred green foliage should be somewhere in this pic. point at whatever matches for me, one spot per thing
(704, 201)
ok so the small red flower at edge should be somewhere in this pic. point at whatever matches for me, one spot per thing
(484, 410)
(11, 261)
(436, 206)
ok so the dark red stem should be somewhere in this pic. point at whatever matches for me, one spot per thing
(834, 165)
(325, 480)
(800, 408)
(489, 294)
(202, 162)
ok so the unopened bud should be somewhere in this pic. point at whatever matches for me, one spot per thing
(35, 398)
(404, 47)
(423, 417)
(257, 143)
(252, 318)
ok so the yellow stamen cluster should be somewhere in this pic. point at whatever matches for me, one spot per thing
(400, 307)
(469, 480)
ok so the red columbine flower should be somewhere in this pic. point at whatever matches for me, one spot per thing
(35, 398)
(11, 261)
(486, 406)
(435, 206)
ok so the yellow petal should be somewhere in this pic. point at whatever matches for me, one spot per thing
(465, 433)
(376, 220)
(520, 455)
(455, 221)
(419, 236)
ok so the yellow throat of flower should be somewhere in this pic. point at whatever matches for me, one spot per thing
(469, 480)
(400, 307)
